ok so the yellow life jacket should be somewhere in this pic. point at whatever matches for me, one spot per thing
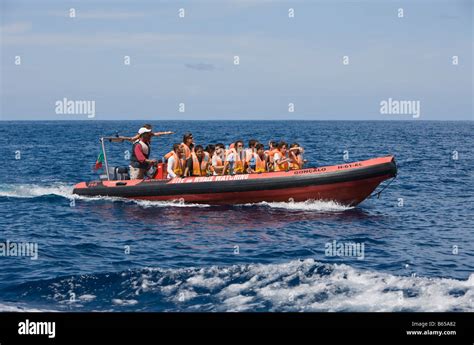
(178, 165)
(260, 164)
(239, 163)
(283, 166)
(294, 165)
(199, 169)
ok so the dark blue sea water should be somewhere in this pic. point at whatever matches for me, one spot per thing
(418, 237)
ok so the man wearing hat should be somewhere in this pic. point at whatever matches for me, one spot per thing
(139, 161)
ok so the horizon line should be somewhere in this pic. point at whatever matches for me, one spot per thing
(236, 120)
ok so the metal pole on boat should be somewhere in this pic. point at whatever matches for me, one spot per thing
(105, 158)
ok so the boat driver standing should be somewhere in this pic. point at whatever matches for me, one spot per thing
(139, 162)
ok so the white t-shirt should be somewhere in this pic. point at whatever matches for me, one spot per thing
(276, 157)
(234, 156)
(230, 157)
(214, 160)
(171, 162)
(215, 163)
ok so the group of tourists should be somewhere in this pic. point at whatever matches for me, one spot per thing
(188, 159)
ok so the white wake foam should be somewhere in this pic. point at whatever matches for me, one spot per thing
(176, 203)
(10, 307)
(65, 191)
(311, 286)
(34, 190)
(309, 205)
(299, 285)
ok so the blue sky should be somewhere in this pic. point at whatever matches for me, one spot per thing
(283, 60)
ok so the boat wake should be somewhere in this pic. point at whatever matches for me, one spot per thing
(34, 190)
(309, 205)
(20, 307)
(299, 285)
(65, 191)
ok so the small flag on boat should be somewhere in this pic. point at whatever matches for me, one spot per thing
(99, 161)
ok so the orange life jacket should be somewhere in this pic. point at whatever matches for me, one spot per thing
(178, 165)
(260, 164)
(187, 151)
(283, 166)
(218, 161)
(271, 152)
(199, 169)
(296, 164)
(239, 164)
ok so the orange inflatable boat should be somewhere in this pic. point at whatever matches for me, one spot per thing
(347, 184)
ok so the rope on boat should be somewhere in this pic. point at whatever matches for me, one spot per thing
(380, 192)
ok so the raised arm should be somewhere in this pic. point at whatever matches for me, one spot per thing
(131, 139)
(157, 134)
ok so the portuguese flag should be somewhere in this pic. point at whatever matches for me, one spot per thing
(99, 161)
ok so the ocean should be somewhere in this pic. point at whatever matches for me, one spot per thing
(110, 254)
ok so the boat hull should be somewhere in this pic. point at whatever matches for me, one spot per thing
(347, 184)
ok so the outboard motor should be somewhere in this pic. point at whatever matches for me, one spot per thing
(121, 173)
(116, 174)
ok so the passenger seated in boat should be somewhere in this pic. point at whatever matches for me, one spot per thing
(200, 162)
(218, 158)
(280, 160)
(295, 154)
(273, 148)
(210, 150)
(187, 146)
(251, 149)
(235, 159)
(176, 162)
(139, 161)
(258, 161)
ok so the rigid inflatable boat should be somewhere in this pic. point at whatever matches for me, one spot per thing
(348, 184)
